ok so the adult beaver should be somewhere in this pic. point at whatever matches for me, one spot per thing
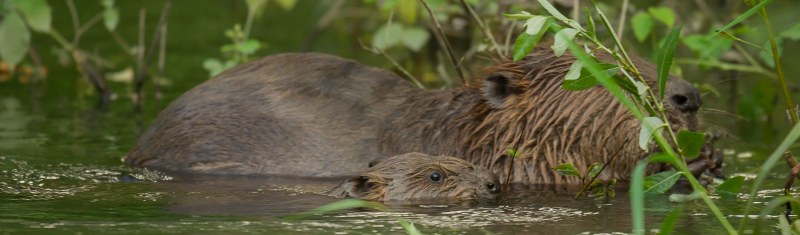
(417, 176)
(320, 115)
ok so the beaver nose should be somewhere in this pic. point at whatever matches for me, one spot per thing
(683, 96)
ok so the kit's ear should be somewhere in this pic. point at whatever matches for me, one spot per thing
(355, 187)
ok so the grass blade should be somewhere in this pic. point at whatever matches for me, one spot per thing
(637, 197)
(790, 139)
(345, 204)
(669, 222)
(742, 17)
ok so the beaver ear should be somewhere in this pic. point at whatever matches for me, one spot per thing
(355, 187)
(375, 162)
(497, 87)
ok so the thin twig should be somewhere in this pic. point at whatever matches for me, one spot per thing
(137, 99)
(588, 183)
(394, 62)
(623, 12)
(162, 55)
(725, 66)
(76, 21)
(446, 43)
(509, 33)
(86, 26)
(122, 43)
(324, 21)
(139, 79)
(37, 64)
(778, 68)
(486, 32)
(576, 9)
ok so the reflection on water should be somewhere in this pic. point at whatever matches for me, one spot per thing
(13, 125)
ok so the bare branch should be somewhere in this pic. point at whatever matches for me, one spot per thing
(446, 43)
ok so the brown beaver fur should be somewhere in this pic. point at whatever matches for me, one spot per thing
(417, 176)
(320, 115)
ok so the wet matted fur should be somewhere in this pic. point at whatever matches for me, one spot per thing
(320, 115)
(408, 177)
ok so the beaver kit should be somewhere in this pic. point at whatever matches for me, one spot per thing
(323, 116)
(420, 177)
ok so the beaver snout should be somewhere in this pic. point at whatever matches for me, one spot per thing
(683, 96)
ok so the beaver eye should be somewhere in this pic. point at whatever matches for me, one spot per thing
(436, 177)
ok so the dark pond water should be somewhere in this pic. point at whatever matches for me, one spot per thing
(61, 170)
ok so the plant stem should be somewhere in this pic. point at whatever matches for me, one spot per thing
(622, 13)
(778, 67)
(484, 29)
(446, 43)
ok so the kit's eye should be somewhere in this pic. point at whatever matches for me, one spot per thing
(436, 177)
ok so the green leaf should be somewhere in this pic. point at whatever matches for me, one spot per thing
(552, 10)
(248, 47)
(626, 84)
(642, 24)
(107, 3)
(669, 222)
(574, 71)
(665, 59)
(345, 204)
(707, 48)
(214, 66)
(594, 170)
(649, 126)
(661, 182)
(555, 13)
(562, 37)
(792, 33)
(691, 143)
(742, 17)
(636, 192)
(524, 15)
(287, 5)
(512, 153)
(37, 13)
(536, 24)
(526, 41)
(407, 11)
(111, 18)
(586, 79)
(567, 169)
(387, 36)
(663, 14)
(415, 38)
(590, 23)
(731, 187)
(14, 39)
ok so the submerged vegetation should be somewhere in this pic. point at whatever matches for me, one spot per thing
(739, 55)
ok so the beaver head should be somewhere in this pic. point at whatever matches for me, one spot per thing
(417, 176)
(522, 105)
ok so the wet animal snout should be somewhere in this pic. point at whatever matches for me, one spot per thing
(683, 96)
